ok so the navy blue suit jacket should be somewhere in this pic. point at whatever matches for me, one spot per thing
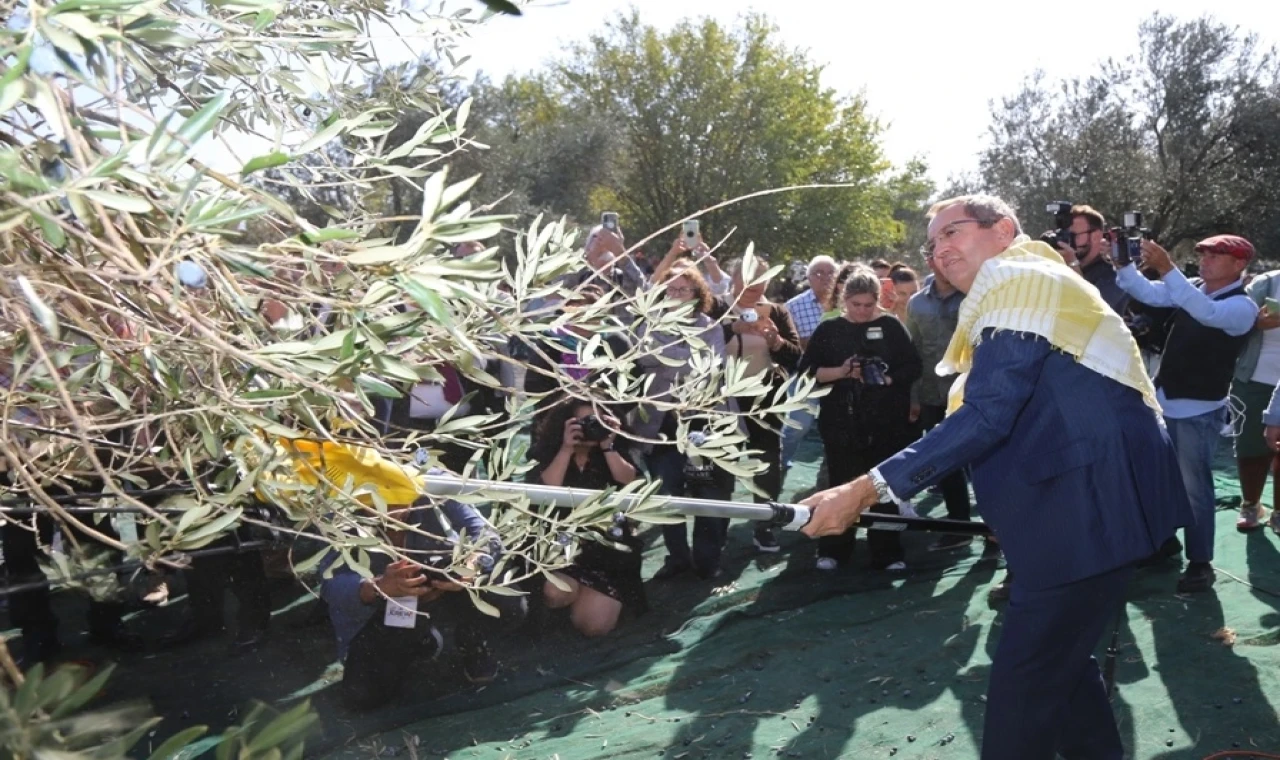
(1072, 471)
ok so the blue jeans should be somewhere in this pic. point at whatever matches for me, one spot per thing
(791, 437)
(1195, 439)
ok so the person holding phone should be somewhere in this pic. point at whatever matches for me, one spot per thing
(761, 334)
(608, 268)
(1209, 330)
(671, 360)
(689, 244)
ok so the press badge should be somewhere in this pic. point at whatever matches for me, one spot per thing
(402, 612)
(875, 333)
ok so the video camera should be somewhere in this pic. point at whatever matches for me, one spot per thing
(1126, 241)
(874, 369)
(1062, 218)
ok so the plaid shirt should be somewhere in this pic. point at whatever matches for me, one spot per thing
(806, 312)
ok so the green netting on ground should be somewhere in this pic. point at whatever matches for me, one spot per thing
(780, 661)
(770, 659)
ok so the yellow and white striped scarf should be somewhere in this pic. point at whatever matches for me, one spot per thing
(1027, 288)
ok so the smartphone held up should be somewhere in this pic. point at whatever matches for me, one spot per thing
(691, 232)
(1126, 241)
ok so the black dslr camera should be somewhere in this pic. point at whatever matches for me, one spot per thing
(1061, 211)
(592, 428)
(874, 369)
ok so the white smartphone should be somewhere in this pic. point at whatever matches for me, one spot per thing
(691, 231)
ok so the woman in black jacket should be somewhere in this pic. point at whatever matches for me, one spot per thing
(867, 357)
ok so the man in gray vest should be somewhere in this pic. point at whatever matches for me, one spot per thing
(1209, 329)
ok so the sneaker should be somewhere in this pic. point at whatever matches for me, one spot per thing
(1274, 521)
(907, 509)
(1198, 577)
(765, 541)
(827, 564)
(1250, 517)
(947, 543)
(671, 568)
(896, 567)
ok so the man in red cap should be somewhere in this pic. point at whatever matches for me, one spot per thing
(1210, 327)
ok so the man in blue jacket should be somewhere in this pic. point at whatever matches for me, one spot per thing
(1075, 473)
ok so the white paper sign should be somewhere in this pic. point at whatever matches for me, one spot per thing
(402, 612)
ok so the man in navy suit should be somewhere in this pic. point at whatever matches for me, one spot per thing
(1075, 475)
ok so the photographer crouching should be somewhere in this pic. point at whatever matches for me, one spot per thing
(578, 448)
(868, 358)
(378, 621)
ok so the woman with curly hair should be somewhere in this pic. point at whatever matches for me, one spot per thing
(580, 448)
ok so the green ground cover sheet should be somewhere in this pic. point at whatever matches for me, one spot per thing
(772, 659)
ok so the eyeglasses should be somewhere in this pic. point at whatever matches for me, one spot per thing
(948, 232)
(823, 275)
(680, 291)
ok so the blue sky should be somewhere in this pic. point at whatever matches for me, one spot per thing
(928, 69)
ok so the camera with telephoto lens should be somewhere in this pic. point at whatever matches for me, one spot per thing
(592, 428)
(874, 369)
(1061, 211)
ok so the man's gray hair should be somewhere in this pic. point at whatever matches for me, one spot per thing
(818, 260)
(592, 235)
(862, 280)
(987, 209)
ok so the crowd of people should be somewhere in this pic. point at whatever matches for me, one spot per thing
(875, 334)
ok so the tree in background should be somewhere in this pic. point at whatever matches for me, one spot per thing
(1184, 131)
(224, 331)
(657, 125)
